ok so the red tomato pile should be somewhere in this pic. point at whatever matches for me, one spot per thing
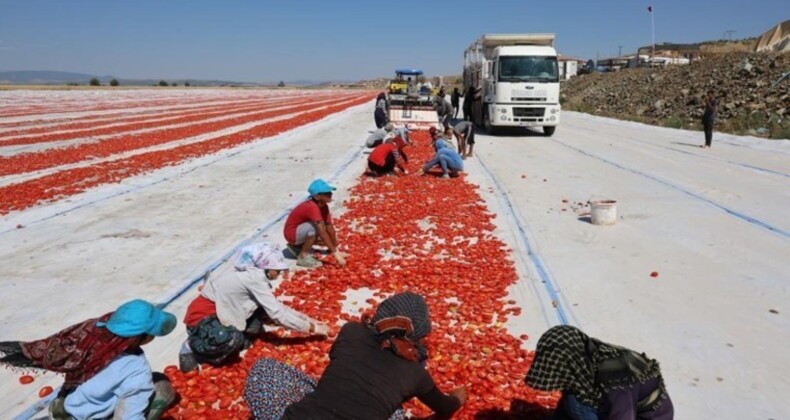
(72, 181)
(425, 234)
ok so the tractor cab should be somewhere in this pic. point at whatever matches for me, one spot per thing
(410, 100)
(405, 78)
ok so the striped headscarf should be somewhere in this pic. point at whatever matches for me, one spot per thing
(567, 359)
(401, 322)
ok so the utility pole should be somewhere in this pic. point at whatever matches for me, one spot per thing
(619, 51)
(653, 30)
(728, 34)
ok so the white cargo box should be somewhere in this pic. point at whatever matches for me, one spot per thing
(497, 40)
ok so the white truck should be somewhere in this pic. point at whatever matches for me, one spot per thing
(515, 81)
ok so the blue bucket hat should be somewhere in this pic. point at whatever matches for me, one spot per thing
(139, 317)
(319, 186)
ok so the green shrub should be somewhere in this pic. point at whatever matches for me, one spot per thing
(780, 132)
(674, 121)
(581, 107)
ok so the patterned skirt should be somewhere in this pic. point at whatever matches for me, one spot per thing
(272, 386)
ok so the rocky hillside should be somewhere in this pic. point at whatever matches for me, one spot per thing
(672, 96)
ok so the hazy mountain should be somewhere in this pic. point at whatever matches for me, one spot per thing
(45, 77)
(36, 77)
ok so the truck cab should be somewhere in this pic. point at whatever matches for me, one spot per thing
(517, 78)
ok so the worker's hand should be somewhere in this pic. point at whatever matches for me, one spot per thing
(459, 393)
(320, 329)
(341, 259)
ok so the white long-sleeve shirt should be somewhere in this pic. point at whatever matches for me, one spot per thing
(380, 134)
(123, 387)
(237, 294)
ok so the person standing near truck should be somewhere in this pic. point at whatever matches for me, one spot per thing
(455, 101)
(380, 114)
(709, 117)
(444, 110)
(464, 131)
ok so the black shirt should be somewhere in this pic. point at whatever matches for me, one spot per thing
(364, 381)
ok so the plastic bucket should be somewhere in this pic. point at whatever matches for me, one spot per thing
(604, 212)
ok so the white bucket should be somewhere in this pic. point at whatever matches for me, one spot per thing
(604, 212)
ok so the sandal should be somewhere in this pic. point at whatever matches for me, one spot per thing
(295, 250)
(309, 262)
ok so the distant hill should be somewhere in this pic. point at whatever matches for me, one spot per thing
(44, 77)
(37, 77)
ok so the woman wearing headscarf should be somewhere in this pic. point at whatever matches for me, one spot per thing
(375, 366)
(236, 304)
(598, 380)
(106, 371)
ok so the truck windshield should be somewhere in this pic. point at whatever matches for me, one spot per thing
(528, 69)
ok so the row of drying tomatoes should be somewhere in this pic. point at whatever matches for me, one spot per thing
(85, 102)
(133, 140)
(72, 181)
(425, 234)
(172, 115)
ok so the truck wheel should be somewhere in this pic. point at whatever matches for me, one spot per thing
(549, 130)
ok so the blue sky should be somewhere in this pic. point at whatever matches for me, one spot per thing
(270, 40)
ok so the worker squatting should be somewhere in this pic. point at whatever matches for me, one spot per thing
(376, 364)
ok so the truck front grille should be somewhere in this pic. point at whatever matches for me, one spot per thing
(515, 99)
(528, 112)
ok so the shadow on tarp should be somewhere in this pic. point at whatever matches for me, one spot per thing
(687, 144)
(519, 409)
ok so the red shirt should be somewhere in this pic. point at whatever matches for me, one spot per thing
(309, 211)
(199, 309)
(379, 154)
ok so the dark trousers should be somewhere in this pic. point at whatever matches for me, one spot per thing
(445, 120)
(708, 127)
(381, 117)
(389, 166)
